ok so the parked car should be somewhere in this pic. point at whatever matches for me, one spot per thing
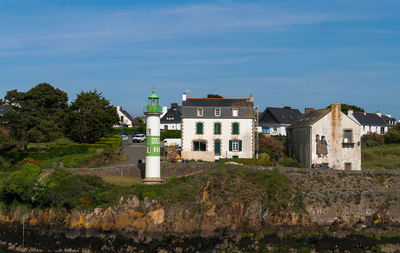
(125, 137)
(139, 138)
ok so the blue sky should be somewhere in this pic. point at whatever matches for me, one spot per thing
(296, 53)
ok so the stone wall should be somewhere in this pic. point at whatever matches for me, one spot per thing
(167, 170)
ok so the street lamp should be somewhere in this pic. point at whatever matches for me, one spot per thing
(122, 132)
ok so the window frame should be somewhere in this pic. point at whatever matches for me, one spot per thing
(234, 144)
(200, 109)
(215, 112)
(199, 141)
(220, 145)
(237, 112)
(350, 140)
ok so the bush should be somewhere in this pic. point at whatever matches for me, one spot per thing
(290, 162)
(273, 147)
(372, 139)
(170, 134)
(393, 135)
(18, 185)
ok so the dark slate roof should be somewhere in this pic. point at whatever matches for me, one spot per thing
(310, 118)
(389, 120)
(174, 111)
(128, 116)
(218, 102)
(369, 119)
(285, 115)
(4, 109)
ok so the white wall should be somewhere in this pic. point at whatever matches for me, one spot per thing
(332, 127)
(126, 122)
(246, 134)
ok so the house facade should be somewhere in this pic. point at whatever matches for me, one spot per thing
(171, 119)
(390, 122)
(369, 122)
(128, 120)
(214, 128)
(274, 121)
(326, 138)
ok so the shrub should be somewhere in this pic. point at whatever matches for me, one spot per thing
(170, 134)
(273, 147)
(393, 135)
(372, 139)
(290, 162)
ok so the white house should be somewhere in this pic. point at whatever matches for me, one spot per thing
(326, 138)
(369, 122)
(214, 128)
(128, 119)
(274, 121)
(171, 119)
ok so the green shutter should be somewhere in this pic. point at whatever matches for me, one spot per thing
(240, 145)
(235, 128)
(230, 145)
(217, 147)
(199, 128)
(217, 128)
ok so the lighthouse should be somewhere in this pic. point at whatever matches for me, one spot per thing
(152, 111)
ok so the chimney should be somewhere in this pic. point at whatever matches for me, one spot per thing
(350, 112)
(379, 114)
(251, 98)
(184, 97)
(308, 109)
(164, 110)
(389, 115)
(336, 106)
(118, 108)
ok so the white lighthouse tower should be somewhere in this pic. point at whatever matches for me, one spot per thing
(153, 111)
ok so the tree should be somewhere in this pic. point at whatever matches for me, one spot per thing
(345, 108)
(214, 96)
(90, 117)
(36, 115)
(393, 135)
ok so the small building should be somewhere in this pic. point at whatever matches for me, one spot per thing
(274, 121)
(326, 138)
(369, 122)
(214, 128)
(171, 120)
(128, 119)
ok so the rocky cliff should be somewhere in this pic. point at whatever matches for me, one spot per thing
(233, 208)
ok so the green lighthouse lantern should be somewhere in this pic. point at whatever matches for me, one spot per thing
(153, 105)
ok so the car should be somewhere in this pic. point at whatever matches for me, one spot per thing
(139, 138)
(125, 138)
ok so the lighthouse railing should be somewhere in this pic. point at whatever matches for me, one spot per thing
(152, 109)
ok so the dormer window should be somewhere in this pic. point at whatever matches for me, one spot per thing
(235, 112)
(200, 112)
(217, 112)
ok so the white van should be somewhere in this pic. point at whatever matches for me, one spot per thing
(171, 142)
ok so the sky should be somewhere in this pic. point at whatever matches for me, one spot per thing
(285, 52)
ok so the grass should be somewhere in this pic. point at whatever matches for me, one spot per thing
(122, 181)
(381, 157)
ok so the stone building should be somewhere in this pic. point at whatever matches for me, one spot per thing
(326, 138)
(214, 128)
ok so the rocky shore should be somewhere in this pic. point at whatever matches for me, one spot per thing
(326, 211)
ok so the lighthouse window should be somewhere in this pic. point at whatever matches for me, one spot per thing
(148, 132)
(199, 146)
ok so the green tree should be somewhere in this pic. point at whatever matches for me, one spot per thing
(89, 118)
(214, 96)
(345, 108)
(36, 115)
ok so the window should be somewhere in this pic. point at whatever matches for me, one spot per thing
(235, 145)
(199, 128)
(148, 150)
(148, 132)
(217, 147)
(166, 127)
(382, 130)
(235, 112)
(217, 128)
(347, 166)
(200, 112)
(235, 128)
(348, 136)
(199, 146)
(217, 112)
